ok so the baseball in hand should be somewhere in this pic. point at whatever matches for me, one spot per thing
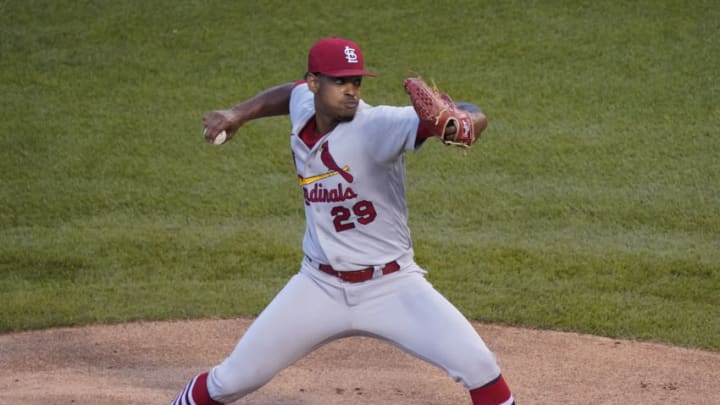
(220, 138)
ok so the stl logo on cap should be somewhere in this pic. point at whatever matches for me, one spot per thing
(350, 55)
(337, 57)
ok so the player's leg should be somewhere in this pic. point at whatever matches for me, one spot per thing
(418, 319)
(301, 317)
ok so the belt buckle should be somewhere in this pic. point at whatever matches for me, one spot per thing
(378, 271)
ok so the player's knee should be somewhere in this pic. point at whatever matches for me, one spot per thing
(478, 371)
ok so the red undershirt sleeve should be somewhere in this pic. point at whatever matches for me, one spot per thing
(423, 133)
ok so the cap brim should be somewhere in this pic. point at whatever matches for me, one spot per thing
(348, 73)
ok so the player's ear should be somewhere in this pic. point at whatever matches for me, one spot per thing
(313, 81)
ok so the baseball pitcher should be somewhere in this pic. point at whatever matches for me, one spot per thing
(358, 275)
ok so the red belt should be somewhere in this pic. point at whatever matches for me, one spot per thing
(357, 276)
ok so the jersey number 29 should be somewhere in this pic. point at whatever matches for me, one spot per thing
(364, 212)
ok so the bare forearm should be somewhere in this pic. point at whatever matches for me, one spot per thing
(271, 102)
(268, 103)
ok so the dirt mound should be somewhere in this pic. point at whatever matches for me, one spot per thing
(149, 362)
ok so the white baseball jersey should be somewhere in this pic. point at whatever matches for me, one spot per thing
(353, 182)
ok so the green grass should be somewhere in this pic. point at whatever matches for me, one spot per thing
(592, 203)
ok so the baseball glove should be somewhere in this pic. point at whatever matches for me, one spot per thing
(437, 111)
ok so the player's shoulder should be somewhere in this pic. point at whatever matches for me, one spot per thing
(302, 106)
(385, 118)
(380, 111)
(300, 87)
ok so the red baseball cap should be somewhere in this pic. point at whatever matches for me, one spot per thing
(337, 57)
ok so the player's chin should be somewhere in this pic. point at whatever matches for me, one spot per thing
(345, 118)
(346, 115)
